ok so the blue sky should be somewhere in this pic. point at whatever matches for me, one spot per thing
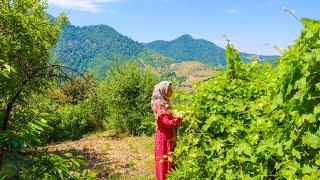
(250, 24)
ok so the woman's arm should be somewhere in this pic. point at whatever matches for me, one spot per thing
(167, 120)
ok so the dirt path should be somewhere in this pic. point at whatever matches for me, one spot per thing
(113, 157)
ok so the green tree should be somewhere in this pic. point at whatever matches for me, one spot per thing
(26, 37)
(126, 93)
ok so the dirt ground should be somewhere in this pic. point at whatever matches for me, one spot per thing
(113, 156)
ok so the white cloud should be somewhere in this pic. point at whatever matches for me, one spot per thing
(232, 11)
(83, 5)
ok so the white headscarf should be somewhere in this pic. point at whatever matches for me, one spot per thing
(159, 96)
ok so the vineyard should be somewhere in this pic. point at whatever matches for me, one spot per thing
(256, 121)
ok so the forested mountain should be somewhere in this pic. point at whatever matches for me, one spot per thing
(94, 47)
(186, 48)
(83, 47)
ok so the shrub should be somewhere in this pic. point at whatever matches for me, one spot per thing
(255, 122)
(126, 93)
(74, 107)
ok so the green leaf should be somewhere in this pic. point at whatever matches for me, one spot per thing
(287, 145)
(311, 139)
(37, 127)
(296, 153)
(209, 122)
(306, 169)
(317, 86)
(276, 101)
(279, 150)
(314, 25)
(305, 117)
(318, 160)
(244, 147)
(217, 144)
(301, 83)
(75, 162)
(68, 155)
(316, 110)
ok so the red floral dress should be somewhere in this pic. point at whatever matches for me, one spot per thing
(166, 123)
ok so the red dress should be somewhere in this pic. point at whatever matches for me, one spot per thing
(164, 143)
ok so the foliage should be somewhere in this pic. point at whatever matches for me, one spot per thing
(46, 166)
(26, 49)
(74, 90)
(73, 121)
(255, 122)
(24, 161)
(5, 70)
(52, 166)
(126, 93)
(74, 108)
(26, 37)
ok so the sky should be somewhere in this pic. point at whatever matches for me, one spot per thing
(250, 24)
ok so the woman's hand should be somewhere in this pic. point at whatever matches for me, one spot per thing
(179, 114)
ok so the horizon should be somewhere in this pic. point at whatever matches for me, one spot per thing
(250, 26)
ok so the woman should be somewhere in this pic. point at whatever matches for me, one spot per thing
(166, 123)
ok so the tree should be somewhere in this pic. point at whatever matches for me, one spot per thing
(126, 93)
(26, 37)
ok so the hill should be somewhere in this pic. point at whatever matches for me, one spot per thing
(192, 71)
(84, 47)
(94, 47)
(186, 48)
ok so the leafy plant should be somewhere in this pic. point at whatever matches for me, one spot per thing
(24, 160)
(255, 122)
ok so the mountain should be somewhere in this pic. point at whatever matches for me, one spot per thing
(94, 47)
(186, 48)
(84, 47)
(262, 58)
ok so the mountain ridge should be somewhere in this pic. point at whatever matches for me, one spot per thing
(214, 55)
(94, 47)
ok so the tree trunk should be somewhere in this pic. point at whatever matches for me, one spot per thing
(5, 122)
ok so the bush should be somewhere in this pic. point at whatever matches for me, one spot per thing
(126, 93)
(46, 166)
(255, 122)
(23, 159)
(72, 121)
(75, 109)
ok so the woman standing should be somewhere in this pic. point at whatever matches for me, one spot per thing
(166, 123)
